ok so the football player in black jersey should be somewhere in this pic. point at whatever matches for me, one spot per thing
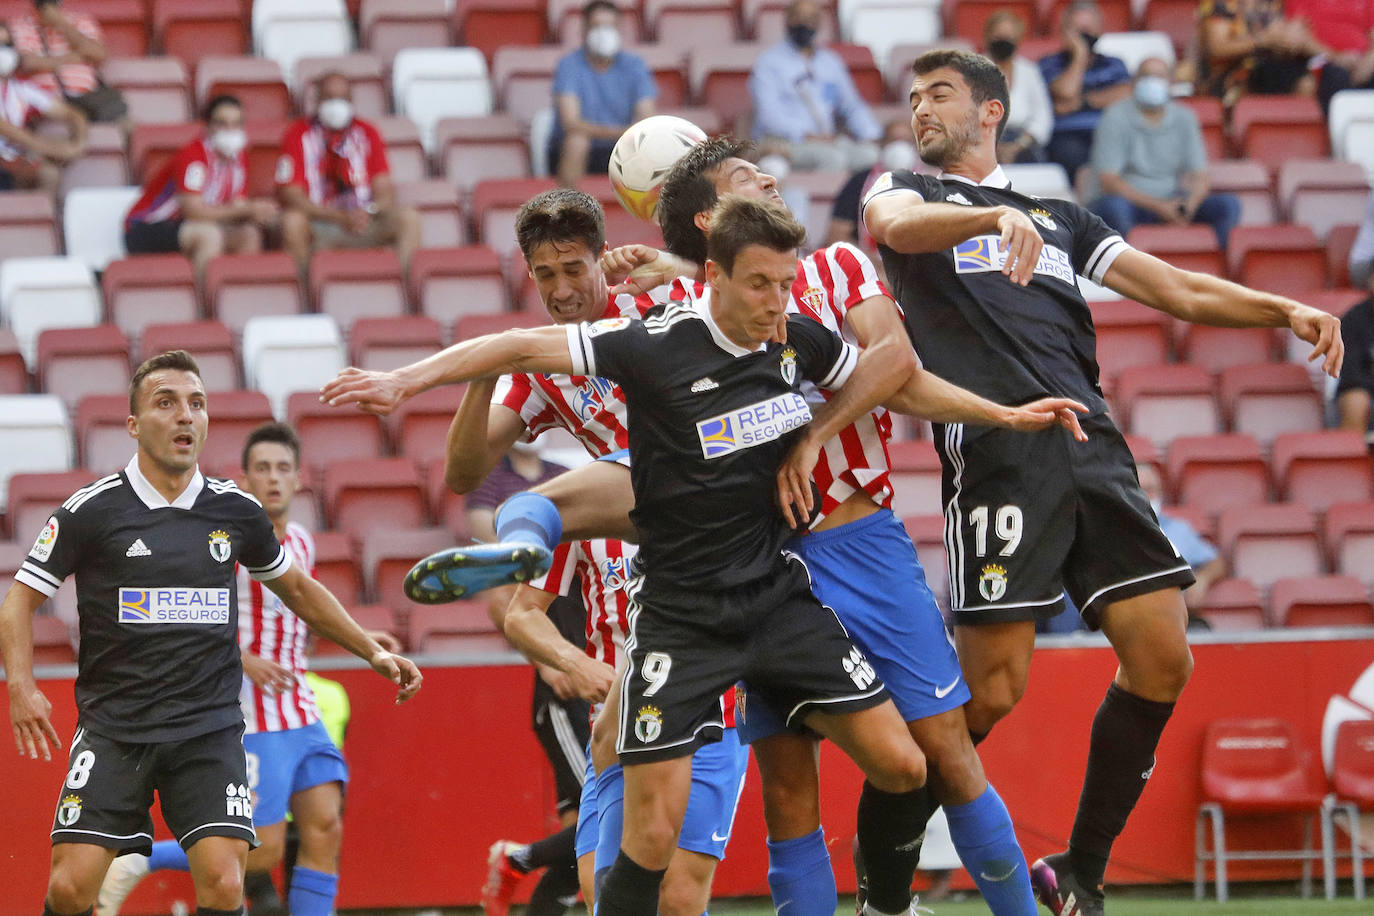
(987, 280)
(154, 550)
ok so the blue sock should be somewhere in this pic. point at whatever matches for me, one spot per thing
(799, 874)
(168, 854)
(610, 813)
(529, 518)
(983, 835)
(312, 892)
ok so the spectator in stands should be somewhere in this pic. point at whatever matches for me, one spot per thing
(805, 105)
(29, 158)
(1030, 113)
(1208, 566)
(1343, 28)
(61, 52)
(898, 152)
(1362, 249)
(334, 183)
(197, 202)
(1150, 164)
(598, 91)
(1248, 46)
(1082, 84)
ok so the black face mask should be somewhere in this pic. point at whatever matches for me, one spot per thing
(801, 35)
(1001, 48)
(1089, 39)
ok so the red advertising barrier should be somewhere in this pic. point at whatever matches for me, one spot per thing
(436, 781)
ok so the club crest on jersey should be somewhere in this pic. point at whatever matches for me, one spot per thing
(69, 812)
(992, 584)
(788, 365)
(755, 424)
(42, 548)
(814, 298)
(740, 695)
(648, 724)
(220, 547)
(1043, 217)
(613, 571)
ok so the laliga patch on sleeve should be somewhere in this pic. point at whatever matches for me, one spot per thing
(195, 176)
(884, 183)
(42, 548)
(285, 168)
(606, 325)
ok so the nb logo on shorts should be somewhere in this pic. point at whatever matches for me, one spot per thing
(237, 802)
(858, 669)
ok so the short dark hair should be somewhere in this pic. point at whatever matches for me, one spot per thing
(272, 432)
(985, 80)
(598, 5)
(738, 222)
(223, 98)
(561, 215)
(172, 359)
(688, 191)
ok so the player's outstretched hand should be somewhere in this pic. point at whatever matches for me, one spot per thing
(371, 392)
(399, 670)
(30, 714)
(267, 674)
(1022, 243)
(1047, 412)
(591, 679)
(1323, 331)
(794, 482)
(637, 269)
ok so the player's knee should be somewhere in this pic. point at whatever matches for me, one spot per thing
(902, 769)
(67, 893)
(222, 889)
(322, 836)
(682, 895)
(790, 808)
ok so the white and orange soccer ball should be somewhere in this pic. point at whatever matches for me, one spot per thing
(643, 156)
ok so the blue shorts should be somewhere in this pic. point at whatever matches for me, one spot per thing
(280, 764)
(868, 573)
(718, 771)
(620, 457)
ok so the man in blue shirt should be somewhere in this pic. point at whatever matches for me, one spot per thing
(805, 104)
(598, 90)
(1082, 83)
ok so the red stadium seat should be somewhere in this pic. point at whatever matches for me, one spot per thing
(965, 18)
(52, 641)
(149, 288)
(351, 284)
(389, 555)
(369, 617)
(365, 79)
(1268, 543)
(705, 118)
(719, 74)
(491, 24)
(1335, 301)
(668, 64)
(337, 567)
(103, 165)
(470, 326)
(522, 78)
(123, 27)
(1339, 240)
(75, 362)
(863, 70)
(1218, 349)
(1269, 399)
(243, 286)
(494, 205)
(195, 29)
(1321, 468)
(1249, 181)
(692, 23)
(1276, 128)
(28, 225)
(1116, 15)
(1233, 605)
(1348, 530)
(32, 498)
(263, 153)
(387, 26)
(404, 151)
(157, 89)
(476, 149)
(457, 627)
(1282, 258)
(1320, 601)
(389, 343)
(236, 413)
(1321, 193)
(257, 81)
(102, 433)
(14, 374)
(1212, 473)
(1128, 334)
(329, 434)
(373, 493)
(448, 283)
(210, 342)
(151, 145)
(1178, 20)
(442, 220)
(1186, 247)
(450, 510)
(1210, 116)
(916, 478)
(1167, 401)
(419, 427)
(1253, 767)
(1352, 782)
(622, 227)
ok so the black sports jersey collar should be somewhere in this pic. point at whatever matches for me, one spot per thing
(155, 500)
(702, 305)
(995, 179)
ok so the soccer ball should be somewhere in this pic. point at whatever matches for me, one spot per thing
(643, 156)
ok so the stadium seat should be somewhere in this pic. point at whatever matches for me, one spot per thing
(450, 509)
(389, 343)
(1178, 20)
(1359, 145)
(151, 145)
(447, 283)
(75, 362)
(337, 567)
(668, 65)
(719, 76)
(443, 223)
(28, 225)
(1041, 179)
(691, 23)
(1210, 118)
(52, 641)
(41, 293)
(103, 165)
(916, 478)
(157, 89)
(811, 196)
(36, 433)
(470, 326)
(419, 427)
(329, 434)
(365, 79)
(123, 27)
(1233, 605)
(491, 24)
(286, 353)
(460, 627)
(1347, 107)
(1321, 468)
(1128, 334)
(1166, 401)
(373, 493)
(285, 31)
(93, 224)
(102, 432)
(1253, 767)
(1249, 182)
(1348, 531)
(1218, 349)
(1322, 193)
(1320, 601)
(263, 154)
(258, 82)
(859, 59)
(964, 18)
(470, 150)
(1212, 473)
(1269, 399)
(1186, 247)
(1283, 258)
(429, 84)
(240, 287)
(1276, 128)
(404, 149)
(33, 497)
(1270, 542)
(369, 617)
(1134, 48)
(1340, 238)
(1335, 301)
(522, 78)
(195, 29)
(388, 555)
(387, 26)
(494, 205)
(14, 374)
(705, 118)
(356, 283)
(1352, 784)
(149, 288)
(236, 414)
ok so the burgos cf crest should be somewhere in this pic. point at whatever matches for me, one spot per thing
(648, 724)
(1043, 217)
(992, 584)
(788, 365)
(69, 811)
(219, 545)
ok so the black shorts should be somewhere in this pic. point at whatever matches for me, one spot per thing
(201, 783)
(685, 647)
(153, 238)
(563, 728)
(1029, 516)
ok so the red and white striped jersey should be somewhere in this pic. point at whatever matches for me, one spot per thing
(603, 566)
(269, 629)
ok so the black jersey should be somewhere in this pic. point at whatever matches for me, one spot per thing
(155, 590)
(973, 326)
(709, 423)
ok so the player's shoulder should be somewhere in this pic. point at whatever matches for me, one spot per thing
(89, 499)
(846, 256)
(226, 491)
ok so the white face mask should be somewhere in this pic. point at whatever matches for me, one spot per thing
(1151, 91)
(335, 114)
(9, 60)
(228, 143)
(899, 154)
(603, 41)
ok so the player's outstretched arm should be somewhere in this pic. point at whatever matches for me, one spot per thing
(481, 432)
(520, 350)
(528, 628)
(313, 603)
(1204, 299)
(30, 711)
(930, 397)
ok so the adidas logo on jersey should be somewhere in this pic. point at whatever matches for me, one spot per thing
(957, 198)
(704, 384)
(138, 549)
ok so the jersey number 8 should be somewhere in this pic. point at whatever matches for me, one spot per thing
(80, 772)
(1008, 526)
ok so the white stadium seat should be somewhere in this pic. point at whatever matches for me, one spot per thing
(1041, 179)
(1136, 47)
(1348, 106)
(37, 436)
(1359, 145)
(93, 223)
(881, 25)
(286, 353)
(41, 293)
(288, 30)
(433, 83)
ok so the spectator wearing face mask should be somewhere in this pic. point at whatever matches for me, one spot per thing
(1150, 163)
(334, 183)
(28, 158)
(805, 105)
(598, 91)
(1030, 113)
(197, 203)
(1082, 85)
(898, 152)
